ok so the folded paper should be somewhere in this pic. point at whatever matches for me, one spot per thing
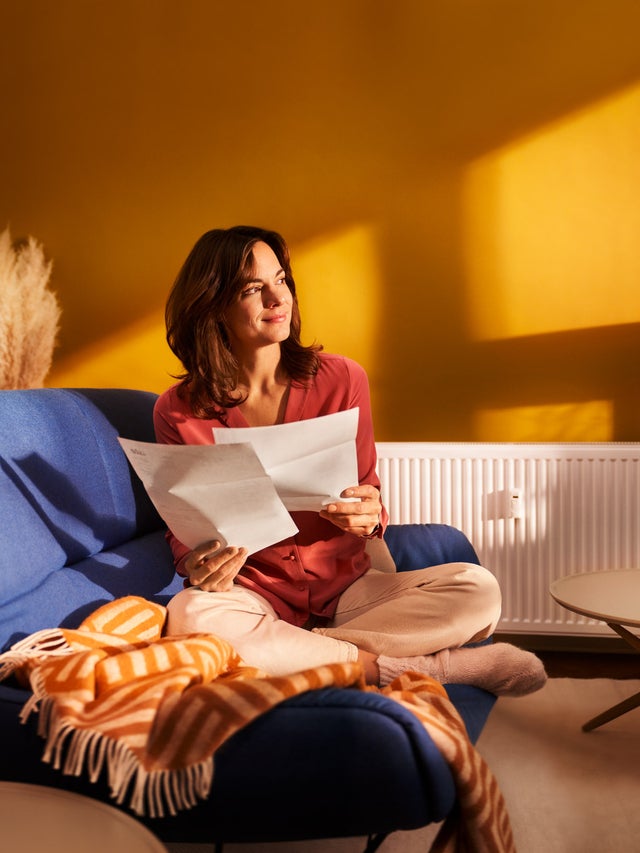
(206, 492)
(310, 462)
(241, 489)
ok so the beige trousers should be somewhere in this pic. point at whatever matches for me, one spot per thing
(398, 615)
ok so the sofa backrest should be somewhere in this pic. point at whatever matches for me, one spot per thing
(73, 513)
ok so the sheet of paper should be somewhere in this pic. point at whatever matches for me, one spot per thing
(310, 462)
(206, 492)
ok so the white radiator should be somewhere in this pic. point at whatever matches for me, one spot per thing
(533, 512)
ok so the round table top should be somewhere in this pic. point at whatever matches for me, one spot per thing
(611, 596)
(36, 818)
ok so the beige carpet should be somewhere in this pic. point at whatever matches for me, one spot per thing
(567, 791)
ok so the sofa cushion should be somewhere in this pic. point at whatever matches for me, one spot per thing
(142, 566)
(67, 494)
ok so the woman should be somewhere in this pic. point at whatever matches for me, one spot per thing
(233, 321)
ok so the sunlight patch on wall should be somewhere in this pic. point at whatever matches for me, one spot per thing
(339, 283)
(552, 224)
(137, 357)
(590, 421)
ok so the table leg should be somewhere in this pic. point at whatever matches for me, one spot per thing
(617, 711)
(626, 635)
(627, 704)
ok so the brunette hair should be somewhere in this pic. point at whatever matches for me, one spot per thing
(215, 271)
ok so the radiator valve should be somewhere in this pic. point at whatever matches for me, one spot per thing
(515, 508)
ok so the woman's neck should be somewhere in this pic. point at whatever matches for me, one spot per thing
(265, 386)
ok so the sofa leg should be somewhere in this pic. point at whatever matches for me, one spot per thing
(218, 846)
(374, 841)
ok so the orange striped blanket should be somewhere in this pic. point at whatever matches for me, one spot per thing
(152, 710)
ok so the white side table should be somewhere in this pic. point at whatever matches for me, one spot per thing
(612, 597)
(37, 819)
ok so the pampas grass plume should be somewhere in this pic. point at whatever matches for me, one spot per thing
(29, 314)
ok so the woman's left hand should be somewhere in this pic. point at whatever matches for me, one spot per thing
(360, 517)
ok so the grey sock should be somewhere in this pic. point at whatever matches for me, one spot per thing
(500, 668)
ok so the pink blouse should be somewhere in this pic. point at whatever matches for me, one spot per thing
(302, 576)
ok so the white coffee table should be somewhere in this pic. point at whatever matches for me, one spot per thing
(34, 818)
(612, 597)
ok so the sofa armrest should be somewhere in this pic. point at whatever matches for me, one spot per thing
(343, 762)
(416, 546)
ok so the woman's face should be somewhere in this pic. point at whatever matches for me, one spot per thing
(261, 313)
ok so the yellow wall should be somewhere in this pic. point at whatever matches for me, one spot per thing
(457, 179)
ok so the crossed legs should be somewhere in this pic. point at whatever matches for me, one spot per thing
(390, 622)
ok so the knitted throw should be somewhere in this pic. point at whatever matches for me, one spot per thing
(152, 710)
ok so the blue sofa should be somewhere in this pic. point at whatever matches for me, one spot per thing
(78, 530)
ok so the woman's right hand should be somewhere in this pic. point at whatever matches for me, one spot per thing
(212, 568)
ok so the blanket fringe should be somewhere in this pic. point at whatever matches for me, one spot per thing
(153, 793)
(38, 702)
(50, 641)
(160, 790)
